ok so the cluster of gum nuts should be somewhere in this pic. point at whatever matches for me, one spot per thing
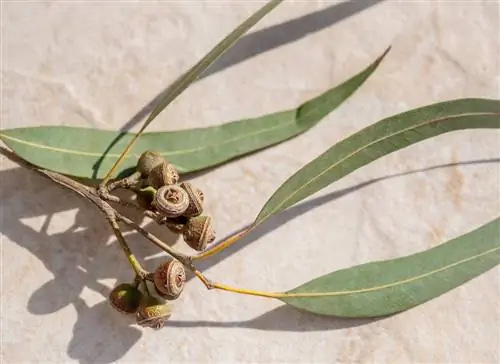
(179, 206)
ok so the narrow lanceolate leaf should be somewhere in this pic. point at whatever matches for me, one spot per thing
(182, 83)
(79, 151)
(378, 140)
(386, 287)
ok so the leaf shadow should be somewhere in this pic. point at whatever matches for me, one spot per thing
(282, 318)
(255, 43)
(79, 257)
(299, 209)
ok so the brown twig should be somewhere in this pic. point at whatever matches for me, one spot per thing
(92, 195)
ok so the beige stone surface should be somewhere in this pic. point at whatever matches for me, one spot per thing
(98, 63)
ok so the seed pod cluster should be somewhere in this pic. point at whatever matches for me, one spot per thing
(181, 204)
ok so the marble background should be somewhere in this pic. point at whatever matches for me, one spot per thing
(101, 64)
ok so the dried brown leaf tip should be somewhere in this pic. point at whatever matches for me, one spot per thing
(169, 279)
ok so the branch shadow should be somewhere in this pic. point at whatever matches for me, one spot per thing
(257, 43)
(79, 257)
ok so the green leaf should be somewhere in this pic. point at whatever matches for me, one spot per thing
(79, 151)
(178, 86)
(378, 140)
(386, 287)
(182, 83)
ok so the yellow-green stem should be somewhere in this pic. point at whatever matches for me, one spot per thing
(222, 245)
(136, 265)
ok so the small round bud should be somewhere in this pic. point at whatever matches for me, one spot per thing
(125, 298)
(199, 232)
(169, 279)
(153, 313)
(171, 201)
(148, 160)
(196, 199)
(163, 174)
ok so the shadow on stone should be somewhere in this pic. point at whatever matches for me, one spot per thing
(257, 43)
(80, 256)
(283, 318)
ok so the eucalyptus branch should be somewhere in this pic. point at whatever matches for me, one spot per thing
(369, 290)
(184, 259)
(91, 194)
(97, 198)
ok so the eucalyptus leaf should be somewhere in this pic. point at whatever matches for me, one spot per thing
(387, 287)
(380, 139)
(79, 152)
(186, 79)
(179, 85)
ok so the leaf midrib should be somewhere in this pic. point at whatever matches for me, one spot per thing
(388, 285)
(111, 155)
(445, 118)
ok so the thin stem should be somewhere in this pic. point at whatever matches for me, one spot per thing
(223, 287)
(127, 182)
(91, 195)
(108, 175)
(222, 245)
(248, 292)
(184, 259)
(146, 288)
(104, 192)
(139, 270)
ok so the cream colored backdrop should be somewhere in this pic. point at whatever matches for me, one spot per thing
(98, 63)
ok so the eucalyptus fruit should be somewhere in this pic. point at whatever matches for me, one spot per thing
(169, 279)
(369, 290)
(125, 298)
(153, 313)
(199, 232)
(148, 161)
(164, 174)
(171, 201)
(196, 199)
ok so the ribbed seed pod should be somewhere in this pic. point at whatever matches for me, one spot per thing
(153, 313)
(169, 279)
(171, 201)
(199, 232)
(125, 298)
(149, 160)
(196, 198)
(163, 174)
(177, 225)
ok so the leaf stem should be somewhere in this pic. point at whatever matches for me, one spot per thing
(217, 248)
